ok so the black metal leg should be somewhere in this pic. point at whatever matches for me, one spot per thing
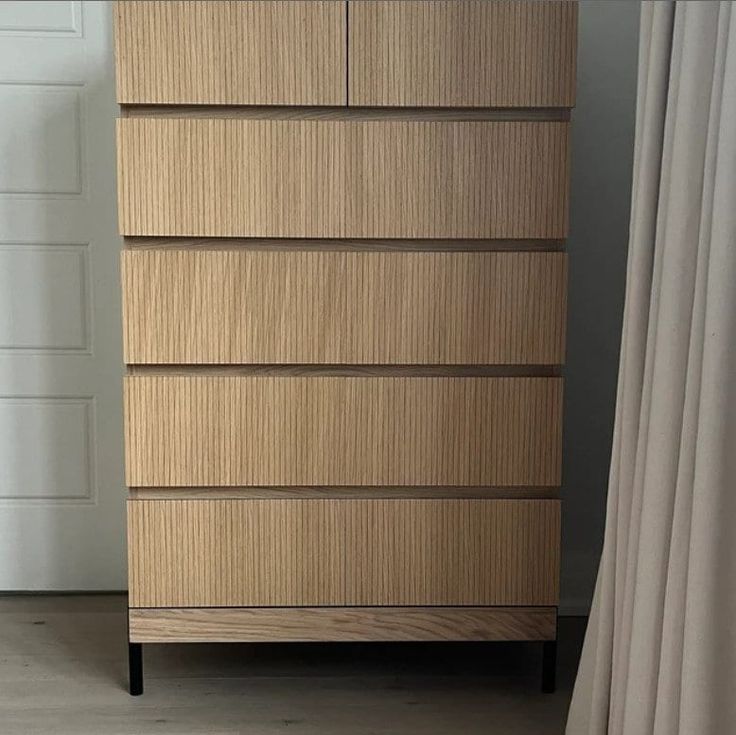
(549, 666)
(135, 665)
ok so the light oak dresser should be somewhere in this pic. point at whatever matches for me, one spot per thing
(344, 290)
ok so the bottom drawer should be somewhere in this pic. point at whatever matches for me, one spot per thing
(323, 552)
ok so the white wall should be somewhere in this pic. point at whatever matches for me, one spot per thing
(602, 144)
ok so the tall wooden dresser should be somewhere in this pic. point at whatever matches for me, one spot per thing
(344, 293)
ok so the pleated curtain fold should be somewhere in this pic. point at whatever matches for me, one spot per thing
(660, 651)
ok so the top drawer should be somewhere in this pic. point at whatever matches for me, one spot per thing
(253, 52)
(462, 53)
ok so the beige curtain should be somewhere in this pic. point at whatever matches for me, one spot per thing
(660, 651)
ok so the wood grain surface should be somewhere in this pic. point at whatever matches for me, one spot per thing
(234, 553)
(466, 53)
(205, 430)
(299, 502)
(296, 624)
(142, 242)
(252, 52)
(353, 371)
(342, 179)
(376, 114)
(346, 492)
(233, 306)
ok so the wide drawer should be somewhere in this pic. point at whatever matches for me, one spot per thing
(251, 52)
(342, 178)
(241, 306)
(215, 430)
(243, 552)
(462, 53)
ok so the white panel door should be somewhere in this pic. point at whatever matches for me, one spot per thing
(61, 480)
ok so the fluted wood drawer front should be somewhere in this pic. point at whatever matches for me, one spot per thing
(242, 306)
(252, 52)
(216, 430)
(342, 178)
(464, 53)
(342, 552)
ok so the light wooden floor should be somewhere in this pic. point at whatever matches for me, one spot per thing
(63, 670)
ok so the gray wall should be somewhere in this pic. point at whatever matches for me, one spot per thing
(602, 145)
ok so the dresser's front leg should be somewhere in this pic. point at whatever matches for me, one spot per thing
(549, 666)
(135, 667)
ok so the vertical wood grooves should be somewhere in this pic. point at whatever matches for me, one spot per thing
(377, 114)
(351, 370)
(219, 52)
(343, 552)
(442, 53)
(368, 129)
(462, 53)
(347, 53)
(346, 492)
(322, 308)
(342, 179)
(224, 431)
(343, 245)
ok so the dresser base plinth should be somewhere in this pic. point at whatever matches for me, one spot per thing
(356, 624)
(340, 624)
